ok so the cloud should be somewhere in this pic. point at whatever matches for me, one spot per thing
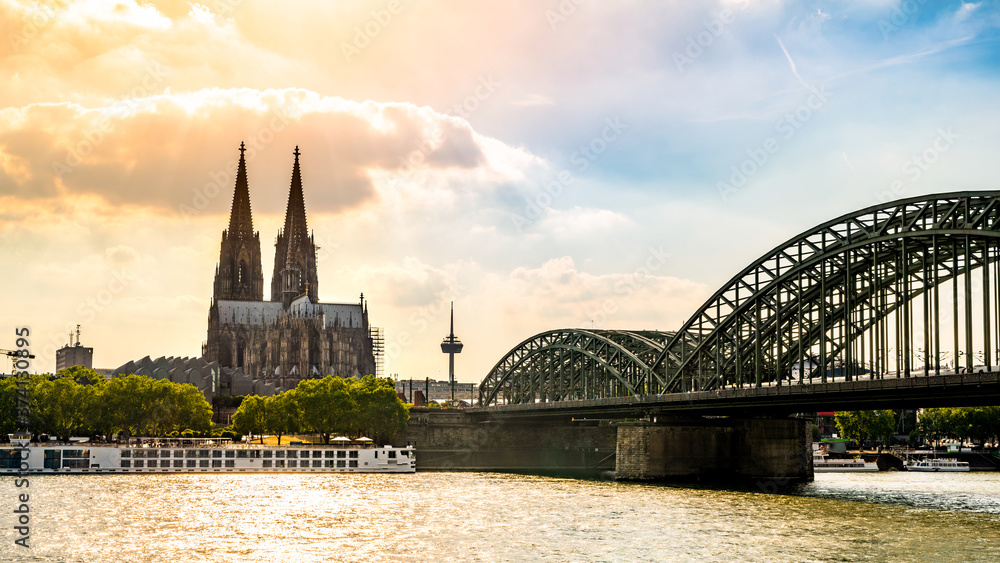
(168, 151)
(966, 10)
(564, 295)
(578, 222)
(409, 283)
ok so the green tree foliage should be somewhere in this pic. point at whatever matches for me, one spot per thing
(130, 404)
(327, 406)
(139, 405)
(981, 424)
(381, 414)
(82, 375)
(281, 414)
(864, 426)
(183, 408)
(59, 406)
(9, 403)
(249, 418)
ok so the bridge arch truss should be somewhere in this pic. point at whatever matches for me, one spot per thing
(570, 364)
(902, 289)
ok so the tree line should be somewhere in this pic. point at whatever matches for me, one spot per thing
(79, 402)
(865, 426)
(979, 424)
(332, 405)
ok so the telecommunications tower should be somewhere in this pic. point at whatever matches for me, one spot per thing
(451, 346)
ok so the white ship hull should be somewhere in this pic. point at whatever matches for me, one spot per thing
(865, 467)
(204, 458)
(822, 463)
(938, 465)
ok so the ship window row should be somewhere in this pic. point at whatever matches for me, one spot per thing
(10, 459)
(317, 463)
(316, 454)
(52, 459)
(152, 463)
(242, 454)
(167, 453)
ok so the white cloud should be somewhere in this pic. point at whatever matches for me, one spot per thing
(966, 10)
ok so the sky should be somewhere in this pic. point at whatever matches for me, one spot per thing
(542, 164)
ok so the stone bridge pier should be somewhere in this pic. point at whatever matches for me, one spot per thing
(767, 452)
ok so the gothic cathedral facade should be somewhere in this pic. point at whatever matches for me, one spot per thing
(293, 336)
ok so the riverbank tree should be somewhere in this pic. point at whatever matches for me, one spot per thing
(865, 426)
(79, 401)
(328, 406)
(965, 424)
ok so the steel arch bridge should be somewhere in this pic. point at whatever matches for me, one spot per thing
(903, 289)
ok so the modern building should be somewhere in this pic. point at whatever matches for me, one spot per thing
(293, 336)
(206, 376)
(74, 354)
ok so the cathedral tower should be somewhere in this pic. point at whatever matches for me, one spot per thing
(273, 344)
(294, 249)
(238, 275)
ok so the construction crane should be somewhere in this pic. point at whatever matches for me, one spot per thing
(14, 356)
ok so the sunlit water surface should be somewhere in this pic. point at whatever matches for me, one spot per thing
(494, 517)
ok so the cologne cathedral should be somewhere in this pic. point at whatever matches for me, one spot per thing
(293, 336)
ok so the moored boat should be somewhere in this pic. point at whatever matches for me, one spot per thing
(202, 455)
(936, 465)
(823, 464)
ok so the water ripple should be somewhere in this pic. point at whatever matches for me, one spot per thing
(496, 517)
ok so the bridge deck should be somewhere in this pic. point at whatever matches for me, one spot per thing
(971, 389)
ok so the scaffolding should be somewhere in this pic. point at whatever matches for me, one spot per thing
(378, 349)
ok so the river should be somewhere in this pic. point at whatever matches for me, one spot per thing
(891, 516)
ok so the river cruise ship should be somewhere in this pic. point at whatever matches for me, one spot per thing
(822, 463)
(204, 455)
(941, 464)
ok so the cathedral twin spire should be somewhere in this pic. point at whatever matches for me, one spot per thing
(294, 249)
(240, 218)
(239, 274)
